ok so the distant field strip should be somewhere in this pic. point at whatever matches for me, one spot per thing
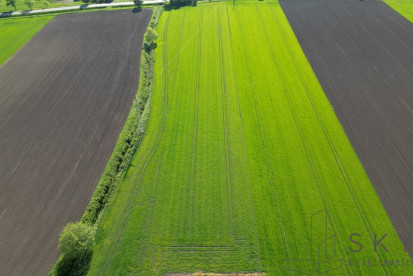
(404, 7)
(242, 149)
(15, 32)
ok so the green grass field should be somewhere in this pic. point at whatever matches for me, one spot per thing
(242, 149)
(404, 7)
(15, 32)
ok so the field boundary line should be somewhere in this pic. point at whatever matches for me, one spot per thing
(333, 150)
(336, 157)
(192, 180)
(264, 148)
(122, 225)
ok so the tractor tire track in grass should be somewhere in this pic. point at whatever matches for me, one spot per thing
(242, 157)
(298, 125)
(191, 188)
(143, 245)
(333, 150)
(167, 85)
(264, 148)
(369, 85)
(241, 129)
(228, 179)
(122, 225)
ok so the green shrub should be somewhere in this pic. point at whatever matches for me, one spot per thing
(29, 4)
(72, 267)
(11, 3)
(76, 240)
(76, 244)
(130, 137)
(73, 237)
(138, 3)
(149, 41)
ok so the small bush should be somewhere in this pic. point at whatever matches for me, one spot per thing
(29, 4)
(11, 3)
(76, 240)
(149, 41)
(76, 244)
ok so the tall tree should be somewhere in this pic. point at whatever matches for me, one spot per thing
(11, 3)
(29, 4)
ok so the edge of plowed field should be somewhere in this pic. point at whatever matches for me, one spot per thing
(127, 143)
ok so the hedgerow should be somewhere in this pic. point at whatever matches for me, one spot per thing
(126, 146)
(129, 139)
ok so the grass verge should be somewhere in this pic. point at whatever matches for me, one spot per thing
(404, 7)
(15, 32)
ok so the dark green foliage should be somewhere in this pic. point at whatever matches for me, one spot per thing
(182, 2)
(121, 156)
(149, 41)
(11, 3)
(76, 240)
(129, 138)
(76, 244)
(138, 3)
(126, 146)
(73, 267)
(29, 4)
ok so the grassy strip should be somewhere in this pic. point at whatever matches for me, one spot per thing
(405, 7)
(14, 33)
(128, 141)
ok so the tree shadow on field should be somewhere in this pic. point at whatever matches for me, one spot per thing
(137, 9)
(176, 6)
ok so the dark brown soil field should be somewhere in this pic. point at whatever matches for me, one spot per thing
(362, 54)
(64, 98)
